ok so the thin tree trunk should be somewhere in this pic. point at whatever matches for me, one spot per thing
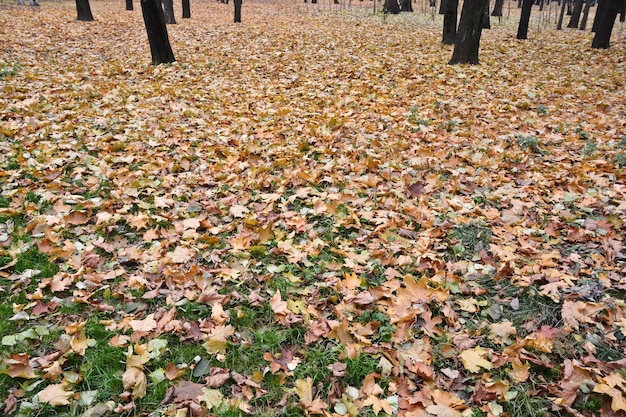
(186, 9)
(522, 29)
(129, 4)
(486, 21)
(578, 8)
(406, 6)
(237, 4)
(468, 36)
(497, 8)
(607, 21)
(154, 20)
(442, 6)
(83, 11)
(622, 12)
(449, 21)
(583, 21)
(559, 26)
(168, 11)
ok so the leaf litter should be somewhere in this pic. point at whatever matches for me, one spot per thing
(309, 213)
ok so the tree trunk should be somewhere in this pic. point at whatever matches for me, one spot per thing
(486, 21)
(605, 27)
(559, 26)
(449, 21)
(391, 6)
(154, 20)
(406, 5)
(599, 11)
(83, 11)
(522, 29)
(442, 7)
(186, 9)
(497, 8)
(237, 4)
(569, 7)
(583, 21)
(168, 11)
(129, 4)
(468, 36)
(578, 7)
(622, 12)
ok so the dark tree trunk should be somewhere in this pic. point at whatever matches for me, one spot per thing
(522, 29)
(186, 9)
(391, 6)
(154, 20)
(569, 7)
(497, 8)
(519, 4)
(442, 6)
(129, 4)
(622, 12)
(406, 5)
(486, 21)
(599, 11)
(467, 41)
(578, 8)
(168, 11)
(607, 20)
(313, 1)
(237, 4)
(559, 26)
(83, 10)
(583, 21)
(449, 21)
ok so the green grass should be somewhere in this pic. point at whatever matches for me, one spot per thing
(467, 240)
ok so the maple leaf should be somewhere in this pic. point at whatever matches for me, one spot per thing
(211, 398)
(146, 325)
(18, 366)
(474, 359)
(56, 395)
(443, 411)
(618, 402)
(304, 389)
(134, 379)
(180, 255)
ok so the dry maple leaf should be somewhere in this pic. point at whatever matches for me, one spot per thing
(56, 395)
(180, 255)
(135, 381)
(146, 325)
(474, 359)
(18, 366)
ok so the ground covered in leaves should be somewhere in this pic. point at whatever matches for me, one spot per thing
(309, 213)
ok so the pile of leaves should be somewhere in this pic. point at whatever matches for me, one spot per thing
(309, 213)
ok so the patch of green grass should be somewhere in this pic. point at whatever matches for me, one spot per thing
(33, 259)
(468, 240)
(315, 364)
(526, 404)
(9, 68)
(4, 201)
(619, 160)
(358, 368)
(531, 143)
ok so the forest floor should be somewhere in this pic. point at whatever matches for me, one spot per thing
(309, 213)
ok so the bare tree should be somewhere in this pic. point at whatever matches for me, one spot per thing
(467, 41)
(156, 29)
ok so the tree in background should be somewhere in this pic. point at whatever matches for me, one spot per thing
(467, 41)
(406, 5)
(578, 8)
(186, 9)
(154, 20)
(391, 6)
(522, 29)
(497, 8)
(168, 11)
(83, 11)
(449, 21)
(583, 21)
(129, 4)
(237, 10)
(605, 18)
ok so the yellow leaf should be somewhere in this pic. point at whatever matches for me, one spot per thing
(617, 397)
(474, 359)
(146, 325)
(211, 397)
(135, 381)
(55, 395)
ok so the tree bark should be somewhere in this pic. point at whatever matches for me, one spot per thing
(237, 4)
(467, 41)
(391, 6)
(406, 5)
(168, 11)
(578, 8)
(154, 20)
(599, 11)
(186, 9)
(583, 21)
(497, 8)
(622, 12)
(83, 11)
(129, 4)
(486, 21)
(449, 22)
(607, 20)
(559, 26)
(522, 29)
(442, 7)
